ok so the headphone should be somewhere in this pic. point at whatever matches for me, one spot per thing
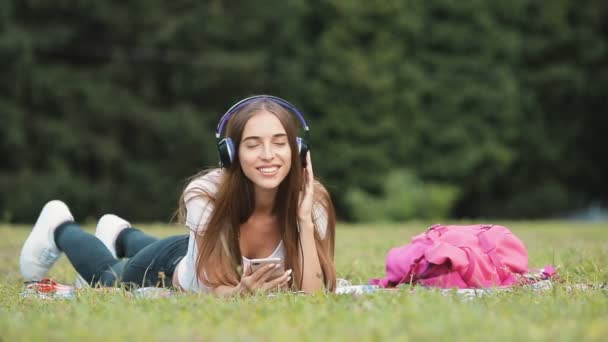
(225, 146)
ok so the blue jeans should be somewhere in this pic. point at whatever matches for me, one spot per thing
(151, 261)
(155, 264)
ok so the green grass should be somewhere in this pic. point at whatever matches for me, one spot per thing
(581, 251)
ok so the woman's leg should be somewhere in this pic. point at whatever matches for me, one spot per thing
(132, 240)
(88, 254)
(155, 264)
(120, 237)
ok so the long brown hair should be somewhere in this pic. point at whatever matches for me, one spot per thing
(219, 258)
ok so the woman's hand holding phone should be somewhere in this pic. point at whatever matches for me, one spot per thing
(264, 278)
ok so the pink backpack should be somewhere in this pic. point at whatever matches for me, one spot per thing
(472, 256)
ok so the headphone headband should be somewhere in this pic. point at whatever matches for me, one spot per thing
(238, 105)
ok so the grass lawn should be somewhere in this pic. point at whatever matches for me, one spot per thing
(580, 250)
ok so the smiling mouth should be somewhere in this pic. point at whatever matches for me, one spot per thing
(270, 170)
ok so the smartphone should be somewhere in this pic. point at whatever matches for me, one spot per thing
(258, 263)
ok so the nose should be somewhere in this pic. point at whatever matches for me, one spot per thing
(266, 152)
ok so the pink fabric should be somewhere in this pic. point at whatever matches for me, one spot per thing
(472, 256)
(548, 271)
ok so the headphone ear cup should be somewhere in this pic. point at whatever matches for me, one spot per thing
(303, 148)
(226, 152)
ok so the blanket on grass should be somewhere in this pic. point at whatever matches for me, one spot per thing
(537, 281)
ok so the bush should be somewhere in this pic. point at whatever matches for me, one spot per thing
(404, 197)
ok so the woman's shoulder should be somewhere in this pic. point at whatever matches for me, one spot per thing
(198, 198)
(206, 181)
(322, 210)
(322, 196)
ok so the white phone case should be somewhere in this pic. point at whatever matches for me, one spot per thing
(258, 263)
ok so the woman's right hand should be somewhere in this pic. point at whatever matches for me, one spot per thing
(261, 281)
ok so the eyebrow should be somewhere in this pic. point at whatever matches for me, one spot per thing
(253, 137)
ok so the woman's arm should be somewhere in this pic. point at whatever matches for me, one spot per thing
(312, 277)
(312, 274)
(197, 210)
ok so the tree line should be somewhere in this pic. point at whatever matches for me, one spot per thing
(417, 109)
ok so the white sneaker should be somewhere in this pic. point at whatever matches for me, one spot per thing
(39, 252)
(108, 228)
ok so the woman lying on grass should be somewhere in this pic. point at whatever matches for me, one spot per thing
(263, 203)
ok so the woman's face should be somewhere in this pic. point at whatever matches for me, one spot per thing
(264, 151)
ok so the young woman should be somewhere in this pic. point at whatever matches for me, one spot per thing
(263, 202)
